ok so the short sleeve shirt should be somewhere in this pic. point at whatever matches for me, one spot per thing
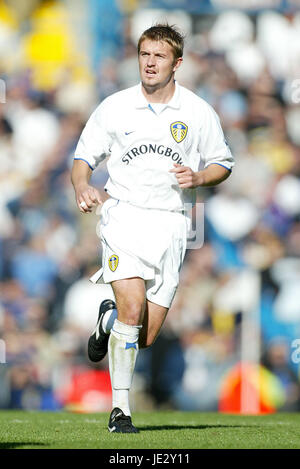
(143, 142)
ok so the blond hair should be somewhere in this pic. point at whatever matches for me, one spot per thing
(167, 33)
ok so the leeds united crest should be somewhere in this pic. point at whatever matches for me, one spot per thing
(179, 131)
(113, 262)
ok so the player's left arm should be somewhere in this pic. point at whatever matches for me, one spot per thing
(210, 176)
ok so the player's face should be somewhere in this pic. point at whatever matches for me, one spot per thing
(157, 63)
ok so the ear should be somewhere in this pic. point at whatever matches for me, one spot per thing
(177, 63)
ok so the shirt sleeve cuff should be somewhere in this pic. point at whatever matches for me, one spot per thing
(223, 165)
(82, 159)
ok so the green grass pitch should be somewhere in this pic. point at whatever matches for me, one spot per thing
(158, 430)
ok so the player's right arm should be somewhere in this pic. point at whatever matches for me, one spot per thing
(92, 148)
(86, 195)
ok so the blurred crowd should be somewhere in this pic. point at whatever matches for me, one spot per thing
(247, 66)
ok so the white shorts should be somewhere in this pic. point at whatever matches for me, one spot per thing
(145, 243)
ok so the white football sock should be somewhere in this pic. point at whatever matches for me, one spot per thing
(108, 320)
(122, 352)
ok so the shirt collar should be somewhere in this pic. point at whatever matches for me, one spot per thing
(174, 103)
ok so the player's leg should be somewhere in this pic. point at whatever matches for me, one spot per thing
(161, 290)
(154, 318)
(130, 297)
(123, 348)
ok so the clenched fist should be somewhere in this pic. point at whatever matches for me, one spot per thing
(186, 177)
(87, 197)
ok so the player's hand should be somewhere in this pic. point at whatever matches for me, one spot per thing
(186, 177)
(87, 197)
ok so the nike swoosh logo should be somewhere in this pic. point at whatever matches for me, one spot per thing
(96, 330)
(112, 429)
(128, 133)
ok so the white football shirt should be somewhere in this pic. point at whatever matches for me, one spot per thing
(143, 142)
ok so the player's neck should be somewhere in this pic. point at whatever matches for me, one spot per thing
(159, 94)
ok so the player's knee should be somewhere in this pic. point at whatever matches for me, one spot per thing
(131, 313)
